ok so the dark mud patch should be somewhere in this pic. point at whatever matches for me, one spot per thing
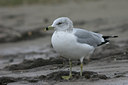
(120, 74)
(111, 51)
(29, 64)
(8, 34)
(58, 62)
(6, 80)
(57, 76)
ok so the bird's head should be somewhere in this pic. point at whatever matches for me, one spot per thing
(61, 24)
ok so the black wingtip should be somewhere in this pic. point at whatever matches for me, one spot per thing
(114, 36)
(107, 37)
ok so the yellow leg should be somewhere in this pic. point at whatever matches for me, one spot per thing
(81, 67)
(70, 72)
(70, 64)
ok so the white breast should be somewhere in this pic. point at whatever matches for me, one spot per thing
(65, 43)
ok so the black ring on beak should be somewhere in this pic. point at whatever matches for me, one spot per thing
(46, 28)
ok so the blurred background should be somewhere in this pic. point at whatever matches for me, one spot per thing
(22, 22)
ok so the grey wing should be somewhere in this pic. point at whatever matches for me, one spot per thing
(88, 37)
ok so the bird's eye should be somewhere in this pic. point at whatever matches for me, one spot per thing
(59, 23)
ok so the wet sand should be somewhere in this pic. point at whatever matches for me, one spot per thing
(27, 57)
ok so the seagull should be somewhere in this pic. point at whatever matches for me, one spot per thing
(74, 43)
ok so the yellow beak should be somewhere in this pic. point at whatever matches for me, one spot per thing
(48, 28)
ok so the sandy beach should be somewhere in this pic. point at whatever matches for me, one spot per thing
(26, 54)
